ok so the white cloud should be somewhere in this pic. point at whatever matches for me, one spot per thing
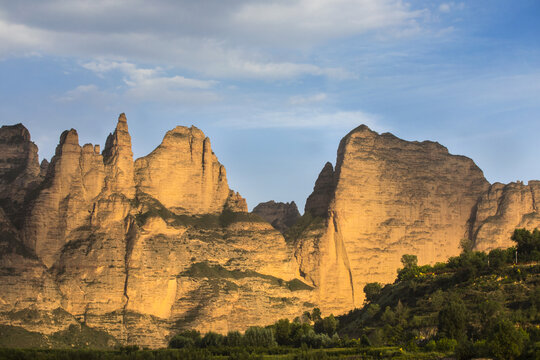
(447, 7)
(302, 100)
(146, 84)
(79, 92)
(237, 38)
(306, 119)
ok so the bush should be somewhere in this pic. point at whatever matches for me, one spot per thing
(505, 341)
(453, 320)
(212, 339)
(372, 291)
(446, 345)
(258, 336)
(528, 244)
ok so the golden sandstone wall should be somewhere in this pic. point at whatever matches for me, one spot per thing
(144, 248)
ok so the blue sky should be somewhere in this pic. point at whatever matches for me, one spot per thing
(277, 84)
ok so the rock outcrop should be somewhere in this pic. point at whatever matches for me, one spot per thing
(141, 249)
(183, 173)
(502, 209)
(387, 197)
(19, 170)
(281, 215)
(138, 249)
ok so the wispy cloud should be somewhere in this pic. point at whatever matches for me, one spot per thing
(145, 84)
(302, 100)
(237, 39)
(306, 119)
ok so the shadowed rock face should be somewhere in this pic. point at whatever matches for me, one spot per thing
(19, 170)
(281, 215)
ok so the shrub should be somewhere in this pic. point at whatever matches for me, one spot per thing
(372, 291)
(453, 320)
(259, 336)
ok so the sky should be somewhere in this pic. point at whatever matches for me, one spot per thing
(277, 84)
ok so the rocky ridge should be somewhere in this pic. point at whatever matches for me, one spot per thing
(387, 197)
(281, 215)
(141, 249)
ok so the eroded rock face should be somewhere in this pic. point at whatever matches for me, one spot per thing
(141, 250)
(501, 210)
(19, 170)
(390, 197)
(281, 215)
(183, 173)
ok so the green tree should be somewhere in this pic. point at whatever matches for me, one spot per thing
(453, 320)
(466, 245)
(409, 261)
(528, 244)
(372, 291)
(233, 338)
(282, 329)
(316, 314)
(212, 339)
(506, 341)
(259, 336)
(187, 338)
(327, 326)
(410, 269)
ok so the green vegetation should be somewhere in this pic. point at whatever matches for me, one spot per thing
(474, 305)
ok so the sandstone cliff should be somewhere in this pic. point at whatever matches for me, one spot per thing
(281, 215)
(19, 170)
(183, 173)
(387, 197)
(502, 209)
(141, 249)
(138, 249)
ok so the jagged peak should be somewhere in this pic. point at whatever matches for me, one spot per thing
(69, 137)
(122, 123)
(184, 131)
(14, 132)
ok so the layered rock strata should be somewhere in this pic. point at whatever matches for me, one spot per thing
(281, 215)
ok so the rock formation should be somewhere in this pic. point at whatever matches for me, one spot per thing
(19, 170)
(502, 209)
(138, 249)
(386, 197)
(141, 249)
(281, 215)
(183, 173)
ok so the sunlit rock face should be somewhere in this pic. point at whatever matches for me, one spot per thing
(501, 210)
(386, 197)
(281, 215)
(138, 249)
(183, 173)
(142, 249)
